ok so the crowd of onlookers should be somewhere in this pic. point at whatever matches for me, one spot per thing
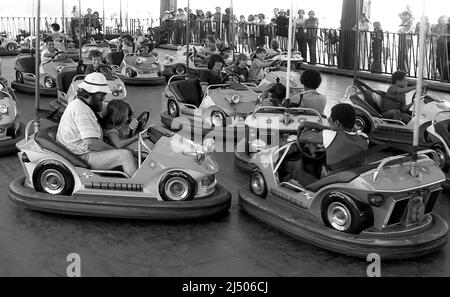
(90, 22)
(253, 31)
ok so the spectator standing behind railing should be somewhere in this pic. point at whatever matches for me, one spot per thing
(272, 30)
(243, 33)
(97, 22)
(200, 25)
(74, 21)
(251, 27)
(441, 32)
(261, 30)
(217, 19)
(300, 35)
(377, 40)
(311, 25)
(364, 28)
(282, 28)
(405, 40)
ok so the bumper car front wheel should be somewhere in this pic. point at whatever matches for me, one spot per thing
(53, 179)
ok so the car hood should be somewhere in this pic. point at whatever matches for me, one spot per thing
(146, 63)
(178, 151)
(247, 101)
(396, 177)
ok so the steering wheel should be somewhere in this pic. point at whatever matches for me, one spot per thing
(142, 122)
(58, 56)
(225, 79)
(276, 63)
(425, 91)
(305, 151)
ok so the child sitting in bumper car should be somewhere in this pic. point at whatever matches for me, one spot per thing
(240, 67)
(310, 97)
(97, 66)
(340, 141)
(258, 64)
(394, 105)
(117, 122)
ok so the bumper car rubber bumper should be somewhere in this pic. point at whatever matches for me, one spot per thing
(30, 89)
(120, 207)
(143, 81)
(289, 220)
(8, 146)
(5, 52)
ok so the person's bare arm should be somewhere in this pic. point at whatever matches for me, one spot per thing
(121, 143)
(405, 90)
(97, 145)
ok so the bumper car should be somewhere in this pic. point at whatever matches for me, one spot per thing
(268, 127)
(26, 73)
(138, 69)
(272, 75)
(176, 65)
(8, 47)
(377, 206)
(219, 113)
(296, 59)
(434, 130)
(68, 81)
(56, 181)
(11, 130)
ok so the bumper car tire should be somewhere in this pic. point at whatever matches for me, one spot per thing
(53, 179)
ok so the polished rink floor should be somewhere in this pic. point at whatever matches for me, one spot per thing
(37, 244)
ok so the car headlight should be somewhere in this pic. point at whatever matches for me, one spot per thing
(208, 180)
(49, 82)
(59, 69)
(118, 90)
(376, 200)
(84, 50)
(258, 145)
(139, 61)
(3, 109)
(209, 146)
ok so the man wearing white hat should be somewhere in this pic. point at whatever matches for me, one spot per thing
(80, 131)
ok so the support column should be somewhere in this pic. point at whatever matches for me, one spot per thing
(167, 5)
(347, 40)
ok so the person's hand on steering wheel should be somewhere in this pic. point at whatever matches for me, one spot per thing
(234, 75)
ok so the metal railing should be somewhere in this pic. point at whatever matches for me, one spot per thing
(379, 52)
(17, 27)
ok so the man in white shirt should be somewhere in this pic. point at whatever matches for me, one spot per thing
(80, 131)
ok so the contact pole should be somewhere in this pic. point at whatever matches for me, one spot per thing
(104, 19)
(423, 28)
(357, 45)
(120, 16)
(188, 33)
(37, 91)
(233, 36)
(289, 58)
(80, 44)
(63, 25)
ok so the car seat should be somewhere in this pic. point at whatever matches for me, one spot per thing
(46, 138)
(188, 91)
(27, 63)
(64, 79)
(116, 58)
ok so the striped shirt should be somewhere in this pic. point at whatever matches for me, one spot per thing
(77, 124)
